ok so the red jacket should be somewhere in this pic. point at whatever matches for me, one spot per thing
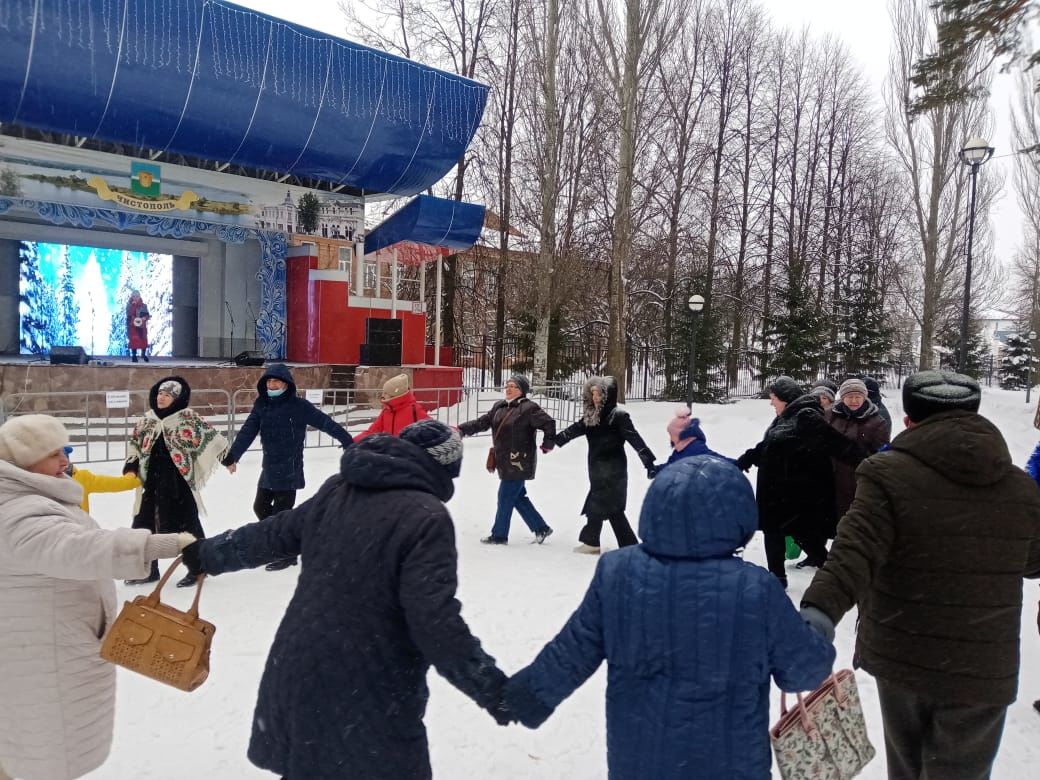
(396, 415)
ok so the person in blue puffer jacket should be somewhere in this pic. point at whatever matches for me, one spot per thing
(687, 438)
(691, 634)
(280, 417)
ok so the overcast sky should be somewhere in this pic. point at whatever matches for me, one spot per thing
(862, 24)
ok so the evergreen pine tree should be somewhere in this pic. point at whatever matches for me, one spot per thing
(68, 308)
(35, 302)
(980, 359)
(1016, 360)
(868, 336)
(795, 344)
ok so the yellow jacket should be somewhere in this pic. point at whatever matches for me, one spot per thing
(99, 483)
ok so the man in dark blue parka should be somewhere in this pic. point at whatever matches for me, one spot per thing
(281, 418)
(691, 635)
(344, 688)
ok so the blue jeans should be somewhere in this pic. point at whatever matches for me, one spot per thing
(512, 494)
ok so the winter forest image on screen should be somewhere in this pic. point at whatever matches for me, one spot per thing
(77, 295)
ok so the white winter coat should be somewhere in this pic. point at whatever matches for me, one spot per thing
(56, 598)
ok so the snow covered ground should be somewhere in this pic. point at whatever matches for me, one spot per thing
(515, 598)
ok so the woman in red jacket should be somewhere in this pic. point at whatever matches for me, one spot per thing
(400, 409)
(137, 317)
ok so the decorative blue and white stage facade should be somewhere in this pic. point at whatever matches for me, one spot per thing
(193, 122)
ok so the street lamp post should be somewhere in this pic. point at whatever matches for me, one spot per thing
(695, 304)
(975, 152)
(1029, 363)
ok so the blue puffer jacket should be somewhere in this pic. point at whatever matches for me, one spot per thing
(691, 635)
(282, 424)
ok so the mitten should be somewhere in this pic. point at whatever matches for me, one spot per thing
(191, 556)
(818, 621)
(651, 471)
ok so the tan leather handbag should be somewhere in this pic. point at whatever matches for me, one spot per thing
(490, 463)
(160, 641)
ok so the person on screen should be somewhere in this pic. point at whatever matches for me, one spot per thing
(137, 316)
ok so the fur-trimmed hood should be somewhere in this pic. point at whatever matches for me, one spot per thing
(594, 413)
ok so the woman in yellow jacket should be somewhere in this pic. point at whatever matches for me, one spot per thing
(99, 483)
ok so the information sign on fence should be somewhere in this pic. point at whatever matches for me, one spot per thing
(315, 396)
(117, 399)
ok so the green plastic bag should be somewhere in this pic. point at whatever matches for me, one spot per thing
(793, 550)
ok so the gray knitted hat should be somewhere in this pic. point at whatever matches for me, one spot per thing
(440, 442)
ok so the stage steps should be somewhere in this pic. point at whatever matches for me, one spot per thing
(342, 377)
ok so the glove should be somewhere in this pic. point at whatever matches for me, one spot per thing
(191, 556)
(131, 467)
(501, 713)
(545, 450)
(818, 621)
(184, 539)
(744, 462)
(524, 706)
(651, 471)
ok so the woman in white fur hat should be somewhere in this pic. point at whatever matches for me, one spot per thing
(57, 696)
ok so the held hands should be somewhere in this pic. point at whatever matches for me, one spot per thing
(818, 621)
(651, 471)
(184, 539)
(192, 557)
(545, 450)
(232, 468)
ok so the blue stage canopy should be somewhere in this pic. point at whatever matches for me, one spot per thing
(211, 80)
(432, 221)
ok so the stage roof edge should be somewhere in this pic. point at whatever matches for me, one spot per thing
(451, 224)
(218, 82)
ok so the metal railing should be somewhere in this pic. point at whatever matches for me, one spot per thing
(100, 432)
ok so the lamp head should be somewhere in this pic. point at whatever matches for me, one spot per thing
(976, 151)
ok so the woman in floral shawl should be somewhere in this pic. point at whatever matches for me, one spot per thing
(173, 451)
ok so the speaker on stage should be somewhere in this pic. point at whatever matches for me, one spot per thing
(383, 331)
(68, 355)
(249, 357)
(380, 354)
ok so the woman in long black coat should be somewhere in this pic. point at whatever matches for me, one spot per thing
(344, 689)
(607, 427)
(795, 488)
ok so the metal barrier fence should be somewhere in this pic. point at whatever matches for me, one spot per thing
(100, 432)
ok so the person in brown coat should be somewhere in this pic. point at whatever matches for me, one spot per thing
(514, 422)
(933, 551)
(858, 419)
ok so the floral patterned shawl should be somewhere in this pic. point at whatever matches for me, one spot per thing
(195, 446)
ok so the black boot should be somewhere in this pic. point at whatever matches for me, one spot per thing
(145, 356)
(153, 576)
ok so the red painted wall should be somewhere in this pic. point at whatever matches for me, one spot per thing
(323, 328)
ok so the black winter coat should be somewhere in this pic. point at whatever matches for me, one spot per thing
(513, 425)
(606, 428)
(795, 489)
(282, 424)
(933, 551)
(344, 690)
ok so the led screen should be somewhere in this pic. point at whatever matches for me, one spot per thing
(77, 295)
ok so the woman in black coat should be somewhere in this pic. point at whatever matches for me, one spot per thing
(514, 423)
(607, 427)
(344, 689)
(795, 488)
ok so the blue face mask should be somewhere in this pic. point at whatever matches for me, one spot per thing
(275, 393)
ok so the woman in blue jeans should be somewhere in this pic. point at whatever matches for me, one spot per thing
(513, 423)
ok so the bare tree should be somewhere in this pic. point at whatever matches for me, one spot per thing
(927, 146)
(1025, 268)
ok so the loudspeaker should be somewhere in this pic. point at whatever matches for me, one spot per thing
(67, 354)
(381, 354)
(249, 358)
(379, 330)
